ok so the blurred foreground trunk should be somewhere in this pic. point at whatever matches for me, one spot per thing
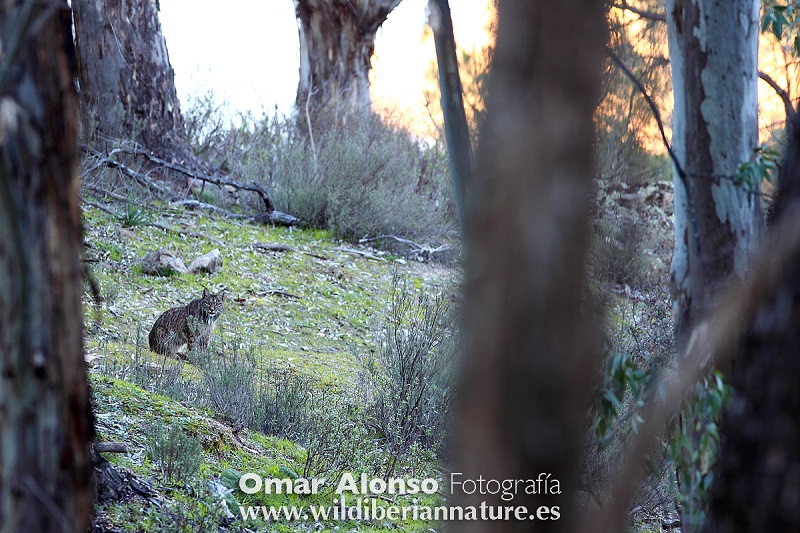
(757, 479)
(531, 351)
(45, 421)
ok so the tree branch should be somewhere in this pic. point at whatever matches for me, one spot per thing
(219, 182)
(678, 167)
(649, 15)
(112, 163)
(784, 96)
(653, 108)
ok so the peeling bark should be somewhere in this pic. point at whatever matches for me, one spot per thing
(337, 40)
(127, 83)
(713, 51)
(530, 359)
(45, 419)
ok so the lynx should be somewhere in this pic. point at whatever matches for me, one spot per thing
(187, 328)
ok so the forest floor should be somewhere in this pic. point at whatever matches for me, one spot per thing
(313, 309)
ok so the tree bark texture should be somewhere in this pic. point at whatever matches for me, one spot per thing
(713, 53)
(757, 482)
(45, 419)
(127, 83)
(530, 358)
(337, 40)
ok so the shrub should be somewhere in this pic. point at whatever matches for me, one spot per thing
(285, 403)
(639, 345)
(232, 391)
(408, 378)
(372, 177)
(362, 178)
(177, 455)
(616, 251)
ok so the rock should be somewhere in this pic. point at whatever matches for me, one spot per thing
(210, 262)
(162, 263)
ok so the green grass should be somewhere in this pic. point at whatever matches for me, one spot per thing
(339, 300)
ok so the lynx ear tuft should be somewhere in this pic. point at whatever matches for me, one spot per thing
(221, 294)
(205, 292)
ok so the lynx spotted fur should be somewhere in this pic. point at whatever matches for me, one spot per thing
(187, 328)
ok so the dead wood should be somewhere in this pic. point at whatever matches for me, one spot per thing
(268, 247)
(215, 180)
(111, 447)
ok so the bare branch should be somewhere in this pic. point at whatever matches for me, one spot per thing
(784, 96)
(678, 167)
(649, 15)
(219, 182)
(112, 163)
(208, 207)
(654, 108)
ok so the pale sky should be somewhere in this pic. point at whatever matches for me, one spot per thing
(247, 52)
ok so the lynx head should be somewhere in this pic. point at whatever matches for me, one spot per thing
(211, 305)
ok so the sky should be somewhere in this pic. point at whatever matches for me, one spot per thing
(247, 54)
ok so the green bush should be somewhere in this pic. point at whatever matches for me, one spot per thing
(408, 379)
(361, 178)
(176, 454)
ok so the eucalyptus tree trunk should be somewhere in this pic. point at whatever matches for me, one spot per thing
(337, 40)
(45, 419)
(127, 83)
(713, 53)
(530, 358)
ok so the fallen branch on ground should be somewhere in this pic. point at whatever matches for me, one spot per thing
(208, 207)
(113, 163)
(188, 233)
(98, 206)
(416, 247)
(269, 216)
(277, 292)
(219, 182)
(276, 218)
(111, 447)
(268, 247)
(359, 252)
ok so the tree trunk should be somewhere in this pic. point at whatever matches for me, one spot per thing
(713, 52)
(45, 419)
(530, 358)
(127, 83)
(337, 40)
(459, 150)
(757, 481)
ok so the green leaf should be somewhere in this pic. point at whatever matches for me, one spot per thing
(708, 479)
(769, 17)
(612, 399)
(778, 24)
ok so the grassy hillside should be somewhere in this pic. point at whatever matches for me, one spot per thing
(291, 357)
